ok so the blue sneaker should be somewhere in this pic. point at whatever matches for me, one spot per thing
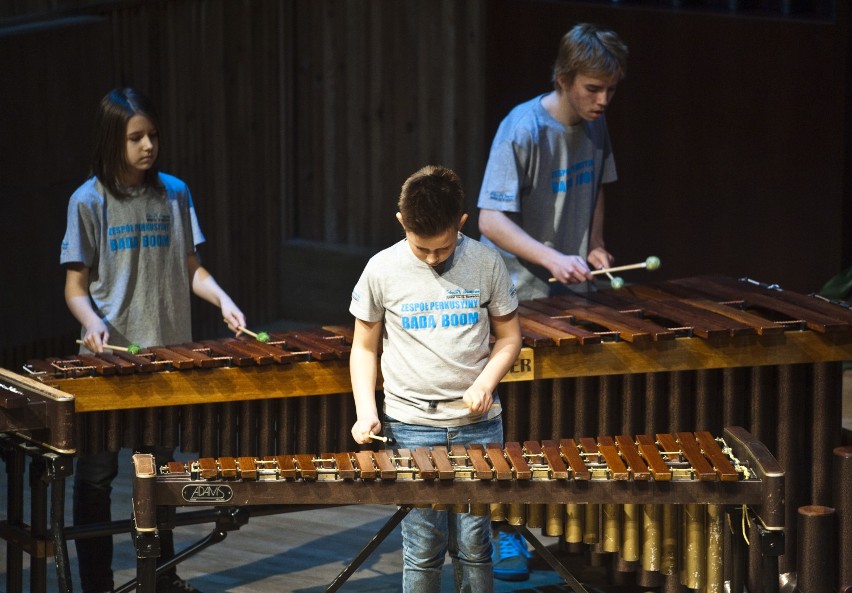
(510, 557)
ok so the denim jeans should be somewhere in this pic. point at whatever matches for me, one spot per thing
(427, 535)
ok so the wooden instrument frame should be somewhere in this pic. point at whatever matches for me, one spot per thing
(299, 379)
(37, 412)
(764, 491)
(632, 345)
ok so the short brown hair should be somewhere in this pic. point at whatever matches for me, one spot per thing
(589, 49)
(431, 201)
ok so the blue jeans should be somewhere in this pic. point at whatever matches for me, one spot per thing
(427, 535)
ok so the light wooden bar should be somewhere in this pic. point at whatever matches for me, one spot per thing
(299, 379)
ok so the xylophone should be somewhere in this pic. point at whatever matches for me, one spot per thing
(634, 483)
(705, 352)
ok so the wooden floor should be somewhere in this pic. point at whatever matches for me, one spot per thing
(304, 551)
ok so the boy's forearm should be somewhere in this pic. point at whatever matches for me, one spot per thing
(82, 310)
(504, 352)
(508, 235)
(596, 233)
(503, 355)
(206, 287)
(362, 369)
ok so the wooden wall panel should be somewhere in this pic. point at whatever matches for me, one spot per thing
(289, 120)
(295, 123)
(217, 69)
(379, 93)
(728, 135)
(46, 107)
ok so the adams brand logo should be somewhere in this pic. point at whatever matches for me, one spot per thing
(206, 494)
(11, 388)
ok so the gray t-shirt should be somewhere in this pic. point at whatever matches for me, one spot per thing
(546, 177)
(436, 327)
(136, 249)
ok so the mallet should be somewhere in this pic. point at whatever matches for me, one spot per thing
(616, 282)
(386, 440)
(259, 336)
(651, 263)
(132, 349)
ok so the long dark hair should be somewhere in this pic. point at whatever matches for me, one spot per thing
(109, 153)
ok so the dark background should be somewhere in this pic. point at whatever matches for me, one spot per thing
(296, 122)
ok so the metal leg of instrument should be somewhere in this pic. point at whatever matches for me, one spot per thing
(59, 467)
(771, 547)
(365, 552)
(14, 460)
(148, 543)
(147, 551)
(38, 525)
(735, 515)
(48, 471)
(148, 581)
(148, 546)
(552, 560)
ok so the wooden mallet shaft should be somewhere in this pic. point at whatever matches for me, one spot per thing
(609, 271)
(652, 263)
(132, 349)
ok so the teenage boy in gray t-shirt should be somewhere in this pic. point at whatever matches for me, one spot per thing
(429, 303)
(542, 200)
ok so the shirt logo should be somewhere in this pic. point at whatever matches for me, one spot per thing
(459, 308)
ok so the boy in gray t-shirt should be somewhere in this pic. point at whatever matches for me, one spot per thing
(541, 200)
(429, 303)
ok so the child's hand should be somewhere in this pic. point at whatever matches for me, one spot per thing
(232, 315)
(96, 336)
(599, 259)
(478, 399)
(569, 269)
(362, 429)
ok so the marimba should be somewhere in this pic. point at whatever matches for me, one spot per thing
(705, 352)
(633, 483)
